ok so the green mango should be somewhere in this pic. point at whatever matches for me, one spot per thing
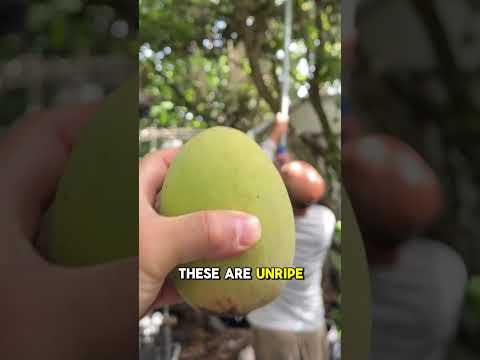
(95, 210)
(222, 168)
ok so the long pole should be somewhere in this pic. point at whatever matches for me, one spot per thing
(285, 99)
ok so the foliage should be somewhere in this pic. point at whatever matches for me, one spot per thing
(218, 62)
(66, 27)
(38, 32)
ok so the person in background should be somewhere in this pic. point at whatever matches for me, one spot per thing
(293, 326)
(417, 282)
(270, 145)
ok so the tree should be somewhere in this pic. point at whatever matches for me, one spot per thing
(218, 62)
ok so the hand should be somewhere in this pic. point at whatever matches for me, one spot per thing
(48, 311)
(166, 242)
(280, 127)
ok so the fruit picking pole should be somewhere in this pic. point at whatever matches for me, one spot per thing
(284, 107)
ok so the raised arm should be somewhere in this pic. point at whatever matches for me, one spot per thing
(280, 127)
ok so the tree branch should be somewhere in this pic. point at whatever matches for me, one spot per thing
(314, 82)
(253, 54)
(273, 72)
(253, 37)
(441, 46)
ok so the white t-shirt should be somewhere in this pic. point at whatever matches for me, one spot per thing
(300, 305)
(416, 303)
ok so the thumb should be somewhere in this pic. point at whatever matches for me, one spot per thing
(210, 234)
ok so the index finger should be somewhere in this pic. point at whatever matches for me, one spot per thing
(152, 170)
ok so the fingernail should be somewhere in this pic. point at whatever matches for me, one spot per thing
(247, 231)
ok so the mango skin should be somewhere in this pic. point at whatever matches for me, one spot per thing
(222, 168)
(94, 216)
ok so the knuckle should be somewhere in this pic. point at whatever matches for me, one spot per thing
(213, 236)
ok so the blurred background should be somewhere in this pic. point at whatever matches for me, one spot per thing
(59, 52)
(64, 52)
(204, 63)
(410, 163)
